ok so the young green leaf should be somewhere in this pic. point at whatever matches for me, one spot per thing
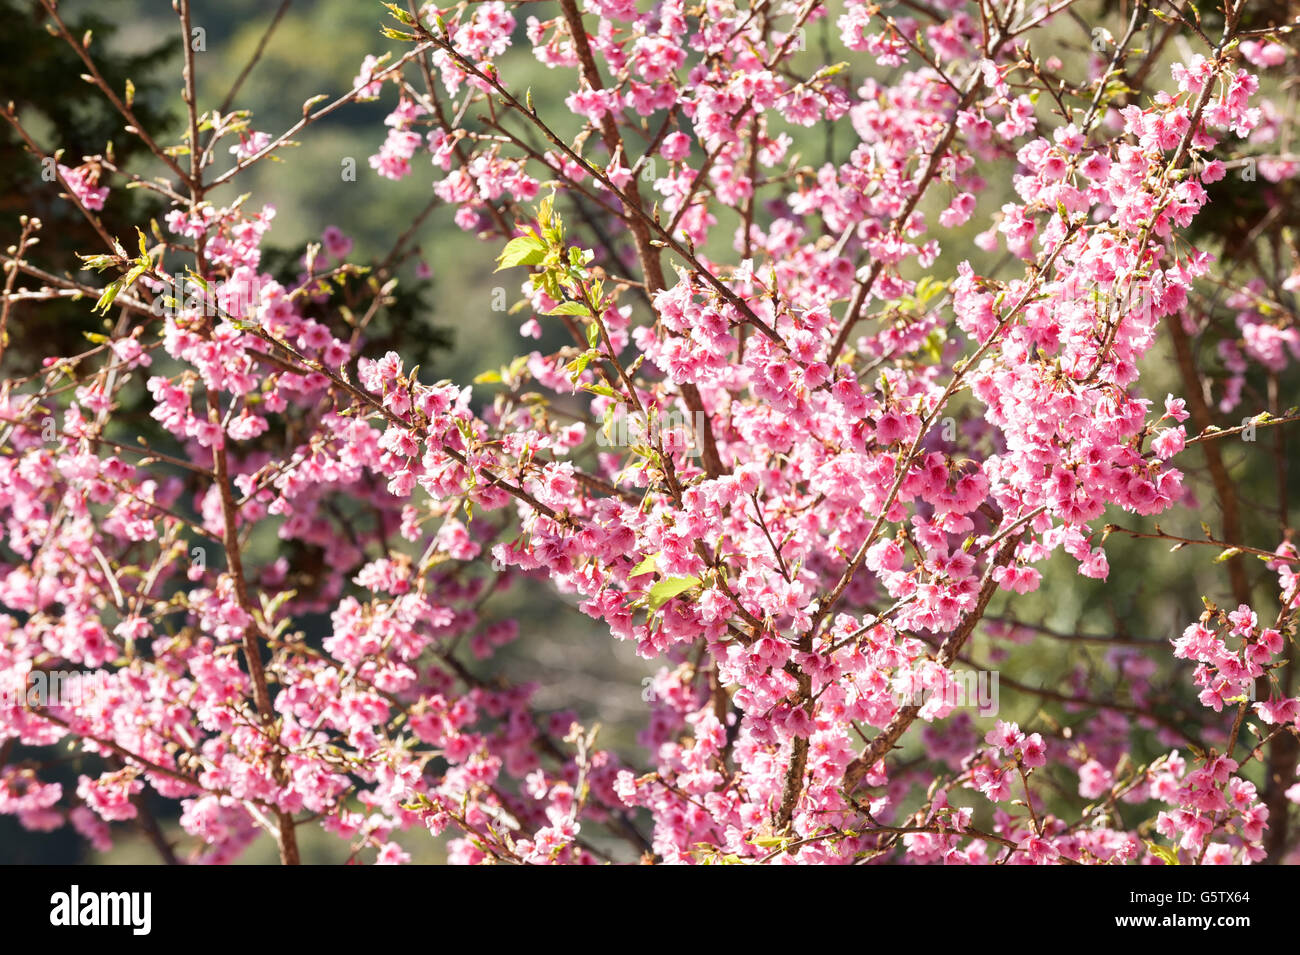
(668, 588)
(106, 298)
(1164, 853)
(523, 250)
(646, 566)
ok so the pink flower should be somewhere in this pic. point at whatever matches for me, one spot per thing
(1039, 850)
(1094, 779)
(250, 144)
(1281, 711)
(390, 853)
(83, 187)
(1005, 736)
(957, 213)
(1034, 751)
(1169, 442)
(337, 245)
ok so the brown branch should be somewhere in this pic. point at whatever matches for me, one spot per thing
(1224, 490)
(882, 743)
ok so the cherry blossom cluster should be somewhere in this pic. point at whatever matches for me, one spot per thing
(906, 399)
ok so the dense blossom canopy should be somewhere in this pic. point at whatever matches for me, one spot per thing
(810, 422)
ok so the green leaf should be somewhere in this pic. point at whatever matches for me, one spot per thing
(927, 288)
(668, 588)
(523, 250)
(607, 424)
(593, 335)
(135, 272)
(106, 298)
(197, 279)
(271, 607)
(1167, 855)
(1228, 554)
(400, 14)
(487, 377)
(932, 347)
(646, 566)
(570, 308)
(579, 365)
(517, 366)
(97, 262)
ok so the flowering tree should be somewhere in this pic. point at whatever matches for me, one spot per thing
(808, 427)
